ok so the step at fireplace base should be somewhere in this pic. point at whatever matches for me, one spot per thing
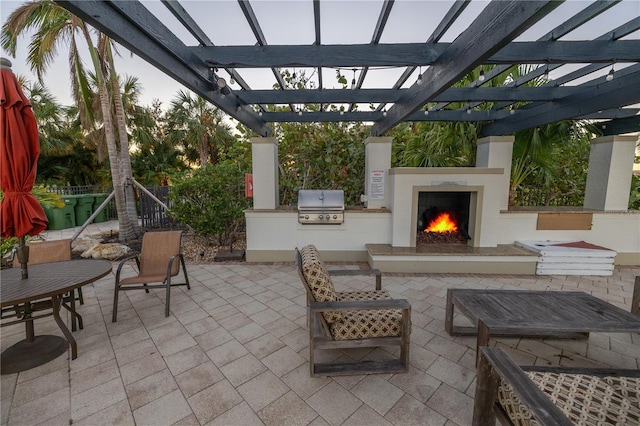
(451, 258)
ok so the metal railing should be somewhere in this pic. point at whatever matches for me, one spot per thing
(151, 215)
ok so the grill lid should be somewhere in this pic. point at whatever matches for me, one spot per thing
(321, 199)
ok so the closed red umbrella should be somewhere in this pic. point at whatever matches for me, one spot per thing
(20, 212)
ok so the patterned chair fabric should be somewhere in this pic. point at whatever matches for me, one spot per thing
(348, 325)
(584, 399)
(319, 280)
(365, 324)
(553, 395)
(363, 319)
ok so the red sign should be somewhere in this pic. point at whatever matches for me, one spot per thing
(248, 185)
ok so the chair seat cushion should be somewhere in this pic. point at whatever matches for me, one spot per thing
(141, 279)
(366, 323)
(585, 399)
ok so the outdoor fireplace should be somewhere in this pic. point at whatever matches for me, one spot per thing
(443, 217)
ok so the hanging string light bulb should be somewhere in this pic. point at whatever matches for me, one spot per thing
(353, 81)
(232, 80)
(610, 75)
(546, 73)
(481, 76)
(419, 77)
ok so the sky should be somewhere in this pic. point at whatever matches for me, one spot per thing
(155, 83)
(350, 21)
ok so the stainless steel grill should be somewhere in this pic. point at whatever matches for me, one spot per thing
(321, 206)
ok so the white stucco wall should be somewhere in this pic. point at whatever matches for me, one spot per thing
(273, 232)
(264, 153)
(619, 231)
(273, 235)
(609, 176)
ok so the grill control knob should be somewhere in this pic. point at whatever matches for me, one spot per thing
(306, 216)
(335, 216)
(320, 217)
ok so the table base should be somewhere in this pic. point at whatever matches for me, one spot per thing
(22, 356)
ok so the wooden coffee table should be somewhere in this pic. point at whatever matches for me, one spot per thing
(534, 313)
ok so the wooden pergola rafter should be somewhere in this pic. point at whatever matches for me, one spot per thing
(490, 39)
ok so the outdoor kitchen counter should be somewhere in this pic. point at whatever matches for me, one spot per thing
(272, 233)
(294, 209)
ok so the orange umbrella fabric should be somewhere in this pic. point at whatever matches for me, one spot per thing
(20, 212)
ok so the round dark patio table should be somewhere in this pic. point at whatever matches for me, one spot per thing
(45, 280)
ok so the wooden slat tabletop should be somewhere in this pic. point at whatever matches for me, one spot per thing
(49, 279)
(513, 310)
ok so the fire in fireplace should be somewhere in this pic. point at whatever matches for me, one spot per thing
(443, 218)
(442, 223)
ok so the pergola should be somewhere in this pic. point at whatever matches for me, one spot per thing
(595, 77)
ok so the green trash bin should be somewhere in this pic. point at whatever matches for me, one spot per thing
(83, 207)
(103, 216)
(64, 217)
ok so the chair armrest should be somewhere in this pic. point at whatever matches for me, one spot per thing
(495, 364)
(360, 305)
(357, 272)
(131, 256)
(125, 260)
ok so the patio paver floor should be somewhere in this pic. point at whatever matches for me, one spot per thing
(234, 352)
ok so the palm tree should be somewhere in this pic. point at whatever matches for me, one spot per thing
(49, 116)
(64, 158)
(156, 164)
(54, 27)
(197, 126)
(445, 144)
(123, 137)
(143, 123)
(542, 155)
(442, 144)
(533, 153)
(153, 158)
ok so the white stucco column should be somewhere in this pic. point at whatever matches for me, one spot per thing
(377, 165)
(609, 175)
(497, 152)
(264, 156)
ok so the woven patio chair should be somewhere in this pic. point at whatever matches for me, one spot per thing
(159, 260)
(553, 395)
(360, 319)
(48, 252)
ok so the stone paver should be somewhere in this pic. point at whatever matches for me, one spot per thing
(235, 351)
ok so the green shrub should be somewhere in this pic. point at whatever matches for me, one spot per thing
(7, 244)
(634, 198)
(211, 200)
(48, 199)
